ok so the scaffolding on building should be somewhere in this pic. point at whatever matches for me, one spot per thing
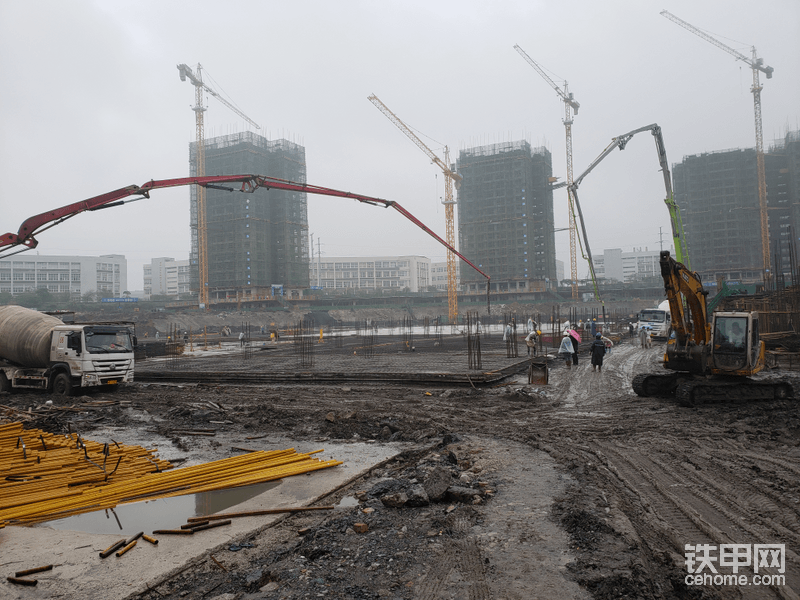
(259, 240)
(506, 218)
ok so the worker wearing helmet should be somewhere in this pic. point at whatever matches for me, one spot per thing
(530, 342)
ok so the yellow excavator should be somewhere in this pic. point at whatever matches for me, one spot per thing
(710, 360)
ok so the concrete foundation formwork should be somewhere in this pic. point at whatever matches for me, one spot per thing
(346, 357)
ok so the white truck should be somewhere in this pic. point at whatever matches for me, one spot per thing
(40, 352)
(657, 320)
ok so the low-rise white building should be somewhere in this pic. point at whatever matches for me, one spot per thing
(439, 275)
(616, 265)
(74, 275)
(167, 277)
(377, 274)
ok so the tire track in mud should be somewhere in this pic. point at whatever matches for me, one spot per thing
(466, 558)
(691, 515)
(732, 511)
(738, 493)
(677, 525)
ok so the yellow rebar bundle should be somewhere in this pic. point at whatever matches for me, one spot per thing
(49, 476)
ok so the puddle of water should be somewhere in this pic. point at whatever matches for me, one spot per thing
(162, 513)
(347, 502)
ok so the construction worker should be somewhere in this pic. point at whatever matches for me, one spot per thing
(736, 335)
(598, 352)
(530, 342)
(565, 350)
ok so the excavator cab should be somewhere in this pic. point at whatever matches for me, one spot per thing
(736, 347)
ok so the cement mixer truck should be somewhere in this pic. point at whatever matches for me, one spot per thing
(40, 352)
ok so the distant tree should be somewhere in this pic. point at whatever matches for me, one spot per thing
(126, 294)
(6, 298)
(39, 298)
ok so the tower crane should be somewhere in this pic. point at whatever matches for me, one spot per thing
(449, 178)
(202, 225)
(758, 66)
(570, 104)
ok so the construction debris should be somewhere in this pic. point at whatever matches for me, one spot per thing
(32, 571)
(20, 581)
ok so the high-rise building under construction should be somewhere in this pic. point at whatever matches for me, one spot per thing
(717, 193)
(505, 216)
(255, 241)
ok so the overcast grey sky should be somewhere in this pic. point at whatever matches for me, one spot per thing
(92, 102)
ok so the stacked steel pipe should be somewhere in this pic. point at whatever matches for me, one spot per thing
(51, 477)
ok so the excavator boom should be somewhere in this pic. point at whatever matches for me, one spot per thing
(680, 281)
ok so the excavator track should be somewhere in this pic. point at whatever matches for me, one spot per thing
(655, 384)
(693, 392)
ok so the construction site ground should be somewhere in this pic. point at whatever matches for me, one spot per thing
(575, 489)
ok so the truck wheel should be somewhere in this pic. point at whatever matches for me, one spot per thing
(5, 384)
(62, 385)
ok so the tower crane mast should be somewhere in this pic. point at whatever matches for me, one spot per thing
(202, 225)
(570, 104)
(449, 179)
(758, 66)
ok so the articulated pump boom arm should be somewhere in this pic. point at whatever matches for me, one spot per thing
(248, 184)
(680, 281)
(681, 250)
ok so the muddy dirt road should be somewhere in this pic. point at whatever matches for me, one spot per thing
(578, 489)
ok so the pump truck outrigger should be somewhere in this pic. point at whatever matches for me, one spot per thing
(710, 360)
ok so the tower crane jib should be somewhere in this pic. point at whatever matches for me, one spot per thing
(758, 66)
(450, 178)
(570, 104)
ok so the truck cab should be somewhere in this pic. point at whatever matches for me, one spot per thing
(657, 319)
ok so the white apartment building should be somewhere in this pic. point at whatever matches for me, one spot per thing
(75, 275)
(166, 276)
(616, 265)
(378, 274)
(439, 275)
(560, 270)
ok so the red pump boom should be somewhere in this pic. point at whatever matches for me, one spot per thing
(249, 183)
